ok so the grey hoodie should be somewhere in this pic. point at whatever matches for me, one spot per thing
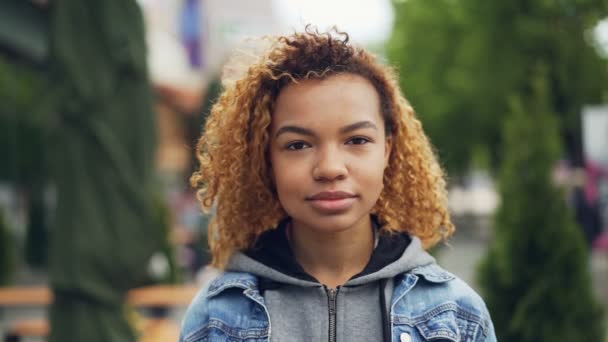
(302, 309)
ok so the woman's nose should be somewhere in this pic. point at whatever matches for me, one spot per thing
(329, 166)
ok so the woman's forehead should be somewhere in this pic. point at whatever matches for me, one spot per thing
(339, 98)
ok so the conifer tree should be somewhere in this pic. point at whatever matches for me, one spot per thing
(535, 278)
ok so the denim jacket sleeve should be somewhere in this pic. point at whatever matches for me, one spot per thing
(196, 315)
(490, 335)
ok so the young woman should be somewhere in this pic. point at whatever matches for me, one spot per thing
(326, 193)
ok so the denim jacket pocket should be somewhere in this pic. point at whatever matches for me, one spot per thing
(445, 322)
(218, 331)
(442, 326)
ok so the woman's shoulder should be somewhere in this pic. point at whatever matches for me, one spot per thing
(429, 293)
(197, 312)
(213, 282)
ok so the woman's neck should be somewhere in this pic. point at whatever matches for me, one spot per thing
(333, 257)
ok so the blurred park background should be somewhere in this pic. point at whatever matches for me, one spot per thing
(101, 103)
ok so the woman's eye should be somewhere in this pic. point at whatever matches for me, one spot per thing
(358, 141)
(297, 146)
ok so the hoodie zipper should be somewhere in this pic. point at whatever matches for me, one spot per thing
(332, 295)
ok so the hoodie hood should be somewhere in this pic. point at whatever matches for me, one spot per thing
(271, 259)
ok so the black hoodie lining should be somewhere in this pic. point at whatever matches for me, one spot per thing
(386, 325)
(273, 250)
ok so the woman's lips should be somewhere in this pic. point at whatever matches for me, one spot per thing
(332, 202)
(333, 206)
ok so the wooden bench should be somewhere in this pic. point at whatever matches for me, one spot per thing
(149, 330)
(157, 295)
(30, 327)
(145, 297)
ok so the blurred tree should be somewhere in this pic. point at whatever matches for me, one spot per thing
(464, 65)
(22, 115)
(22, 143)
(431, 45)
(20, 91)
(101, 152)
(37, 237)
(6, 252)
(460, 60)
(535, 278)
(162, 216)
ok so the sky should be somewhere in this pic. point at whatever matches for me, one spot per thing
(366, 21)
(601, 35)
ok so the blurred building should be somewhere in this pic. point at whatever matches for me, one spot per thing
(221, 25)
(182, 72)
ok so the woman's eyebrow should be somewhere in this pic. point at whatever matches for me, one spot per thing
(358, 125)
(308, 132)
(294, 129)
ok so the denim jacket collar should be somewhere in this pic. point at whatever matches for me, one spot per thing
(438, 313)
(229, 280)
(431, 272)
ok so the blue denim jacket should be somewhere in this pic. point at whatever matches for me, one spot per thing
(428, 303)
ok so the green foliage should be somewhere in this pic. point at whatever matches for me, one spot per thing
(36, 240)
(464, 65)
(102, 159)
(535, 278)
(460, 61)
(7, 258)
(431, 48)
(22, 141)
(162, 221)
(21, 125)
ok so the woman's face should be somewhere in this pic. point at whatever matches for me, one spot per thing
(328, 151)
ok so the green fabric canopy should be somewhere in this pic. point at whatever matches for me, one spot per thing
(102, 144)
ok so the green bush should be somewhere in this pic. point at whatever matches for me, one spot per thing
(535, 278)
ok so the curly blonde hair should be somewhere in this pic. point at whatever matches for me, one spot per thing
(235, 175)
